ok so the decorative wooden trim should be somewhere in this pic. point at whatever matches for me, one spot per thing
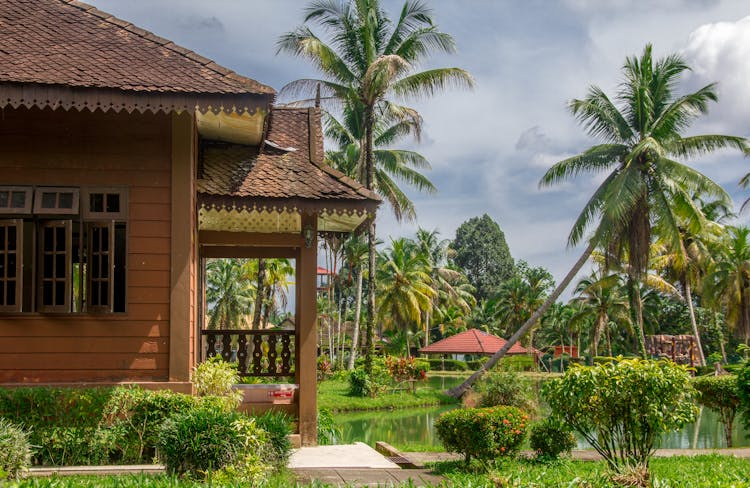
(41, 190)
(248, 252)
(90, 215)
(9, 209)
(218, 237)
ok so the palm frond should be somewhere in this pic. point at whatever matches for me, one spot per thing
(600, 117)
(595, 159)
(428, 83)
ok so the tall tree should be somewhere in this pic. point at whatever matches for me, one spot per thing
(355, 254)
(645, 187)
(229, 294)
(368, 60)
(482, 253)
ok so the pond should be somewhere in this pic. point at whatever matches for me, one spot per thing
(415, 426)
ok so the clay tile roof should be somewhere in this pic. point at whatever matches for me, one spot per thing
(64, 43)
(472, 341)
(286, 166)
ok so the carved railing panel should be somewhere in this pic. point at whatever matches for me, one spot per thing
(257, 352)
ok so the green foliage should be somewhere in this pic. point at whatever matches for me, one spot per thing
(447, 365)
(278, 426)
(407, 369)
(621, 408)
(506, 388)
(516, 362)
(216, 377)
(483, 255)
(482, 433)
(550, 438)
(208, 439)
(39, 408)
(328, 432)
(720, 393)
(15, 450)
(362, 384)
(335, 395)
(743, 391)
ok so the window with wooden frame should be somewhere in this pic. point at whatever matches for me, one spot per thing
(54, 280)
(15, 199)
(55, 200)
(11, 260)
(104, 204)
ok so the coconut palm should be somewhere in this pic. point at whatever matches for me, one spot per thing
(367, 61)
(355, 255)
(646, 188)
(404, 285)
(601, 301)
(728, 281)
(228, 293)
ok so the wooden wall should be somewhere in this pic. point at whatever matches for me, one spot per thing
(59, 148)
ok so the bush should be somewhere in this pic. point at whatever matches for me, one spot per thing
(720, 393)
(15, 450)
(278, 427)
(361, 384)
(622, 408)
(743, 392)
(517, 362)
(208, 439)
(506, 388)
(328, 432)
(482, 433)
(550, 438)
(407, 370)
(215, 378)
(447, 365)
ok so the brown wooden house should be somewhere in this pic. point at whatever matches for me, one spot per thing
(125, 162)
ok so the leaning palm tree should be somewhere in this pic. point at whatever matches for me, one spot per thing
(646, 188)
(229, 294)
(367, 61)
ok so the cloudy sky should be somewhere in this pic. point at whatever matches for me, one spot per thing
(489, 147)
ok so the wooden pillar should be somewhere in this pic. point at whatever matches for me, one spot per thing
(306, 338)
(182, 242)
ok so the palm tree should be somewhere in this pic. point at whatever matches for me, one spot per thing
(369, 60)
(403, 285)
(601, 301)
(355, 254)
(728, 281)
(646, 188)
(229, 294)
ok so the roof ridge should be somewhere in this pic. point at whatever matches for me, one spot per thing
(165, 43)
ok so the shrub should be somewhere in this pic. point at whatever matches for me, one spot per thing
(506, 388)
(325, 368)
(208, 439)
(216, 378)
(15, 450)
(743, 391)
(622, 408)
(407, 370)
(278, 427)
(361, 384)
(447, 365)
(328, 432)
(517, 362)
(550, 438)
(74, 446)
(482, 433)
(720, 393)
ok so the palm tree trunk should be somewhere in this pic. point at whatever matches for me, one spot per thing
(459, 390)
(598, 326)
(637, 305)
(357, 311)
(369, 183)
(609, 341)
(259, 293)
(699, 344)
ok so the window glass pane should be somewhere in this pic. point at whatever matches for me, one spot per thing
(104, 293)
(12, 236)
(4, 199)
(60, 239)
(96, 202)
(95, 239)
(47, 293)
(95, 266)
(2, 268)
(2, 293)
(11, 273)
(18, 199)
(105, 266)
(113, 202)
(118, 280)
(2, 238)
(59, 293)
(47, 266)
(11, 293)
(65, 200)
(49, 199)
(105, 239)
(60, 265)
(48, 240)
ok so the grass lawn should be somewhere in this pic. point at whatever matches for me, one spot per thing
(711, 471)
(333, 395)
(280, 480)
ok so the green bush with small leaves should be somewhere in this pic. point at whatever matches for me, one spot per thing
(743, 392)
(215, 378)
(482, 433)
(15, 450)
(506, 388)
(278, 426)
(447, 365)
(550, 438)
(720, 393)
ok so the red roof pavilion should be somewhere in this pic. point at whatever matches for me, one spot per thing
(472, 341)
